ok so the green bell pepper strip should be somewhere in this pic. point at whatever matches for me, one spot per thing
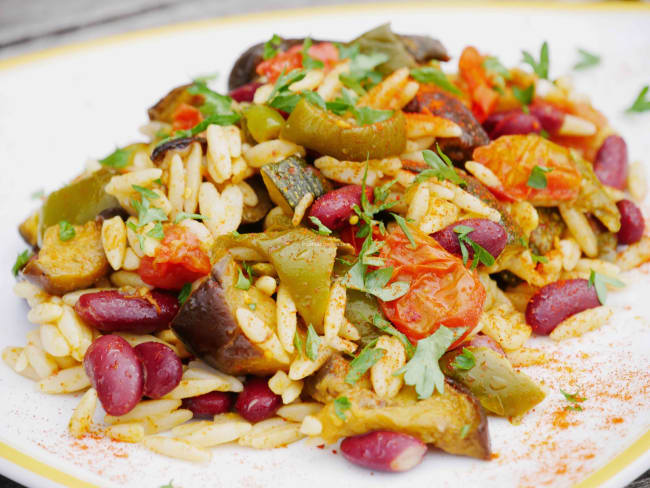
(329, 134)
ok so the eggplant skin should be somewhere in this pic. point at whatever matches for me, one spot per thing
(160, 151)
(207, 325)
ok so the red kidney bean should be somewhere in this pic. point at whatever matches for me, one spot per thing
(610, 164)
(493, 119)
(257, 401)
(487, 234)
(335, 207)
(161, 366)
(558, 301)
(115, 372)
(632, 222)
(413, 106)
(384, 450)
(516, 123)
(550, 117)
(114, 311)
(482, 340)
(245, 93)
(209, 404)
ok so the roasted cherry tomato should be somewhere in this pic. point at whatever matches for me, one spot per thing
(471, 70)
(178, 260)
(291, 59)
(442, 291)
(185, 117)
(513, 158)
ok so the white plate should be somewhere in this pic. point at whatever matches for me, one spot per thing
(59, 108)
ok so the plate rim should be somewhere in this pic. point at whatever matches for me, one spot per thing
(615, 467)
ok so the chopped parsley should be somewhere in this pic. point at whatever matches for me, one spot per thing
(641, 103)
(180, 216)
(213, 103)
(364, 361)
(362, 75)
(341, 405)
(481, 254)
(440, 167)
(297, 343)
(537, 178)
(540, 68)
(184, 293)
(600, 281)
(157, 231)
(429, 74)
(169, 485)
(215, 119)
(322, 229)
(21, 261)
(252, 306)
(66, 231)
(145, 192)
(574, 399)
(314, 98)
(271, 47)
(407, 232)
(206, 78)
(524, 96)
(587, 60)
(538, 259)
(465, 361)
(492, 63)
(118, 159)
(313, 343)
(308, 62)
(464, 431)
(385, 326)
(368, 115)
(281, 97)
(243, 283)
(422, 370)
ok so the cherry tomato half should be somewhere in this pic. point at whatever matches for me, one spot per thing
(472, 72)
(178, 260)
(442, 290)
(185, 117)
(291, 59)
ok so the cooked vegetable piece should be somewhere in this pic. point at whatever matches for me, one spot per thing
(329, 134)
(499, 388)
(438, 420)
(28, 229)
(250, 215)
(550, 226)
(61, 267)
(291, 179)
(472, 71)
(180, 144)
(432, 100)
(77, 202)
(512, 159)
(207, 325)
(263, 123)
(164, 109)
(303, 260)
(360, 310)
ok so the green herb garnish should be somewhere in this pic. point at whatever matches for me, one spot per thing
(429, 74)
(540, 68)
(481, 254)
(271, 47)
(66, 231)
(322, 229)
(21, 261)
(297, 343)
(587, 60)
(367, 115)
(308, 62)
(537, 178)
(157, 232)
(641, 104)
(363, 362)
(464, 431)
(184, 294)
(341, 404)
(313, 343)
(407, 232)
(180, 216)
(574, 399)
(492, 63)
(465, 361)
(243, 283)
(600, 281)
(538, 259)
(118, 159)
(440, 167)
(385, 326)
(524, 96)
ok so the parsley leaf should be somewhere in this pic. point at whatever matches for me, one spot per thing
(347, 52)
(524, 96)
(309, 62)
(206, 78)
(21, 261)
(464, 431)
(341, 404)
(180, 216)
(243, 283)
(147, 213)
(465, 361)
(135, 229)
(492, 63)
(368, 115)
(480, 254)
(342, 104)
(537, 178)
(363, 362)
(402, 223)
(283, 82)
(587, 60)
(145, 192)
(214, 119)
(362, 74)
(600, 281)
(184, 293)
(439, 167)
(117, 159)
(322, 229)
(429, 74)
(314, 98)
(540, 68)
(157, 232)
(573, 398)
(313, 343)
(385, 326)
(271, 47)
(213, 103)
(297, 343)
(423, 371)
(66, 231)
(641, 104)
(538, 259)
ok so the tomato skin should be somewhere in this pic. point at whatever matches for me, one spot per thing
(442, 292)
(292, 59)
(185, 117)
(512, 159)
(471, 70)
(178, 260)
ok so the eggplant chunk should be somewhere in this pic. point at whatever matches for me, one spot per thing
(164, 109)
(459, 149)
(207, 325)
(182, 144)
(64, 266)
(453, 421)
(499, 388)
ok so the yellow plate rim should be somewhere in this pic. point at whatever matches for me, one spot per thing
(595, 479)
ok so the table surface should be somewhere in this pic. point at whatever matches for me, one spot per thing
(39, 24)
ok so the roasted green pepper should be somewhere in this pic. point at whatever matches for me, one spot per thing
(78, 202)
(329, 134)
(493, 381)
(360, 309)
(303, 260)
(263, 122)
